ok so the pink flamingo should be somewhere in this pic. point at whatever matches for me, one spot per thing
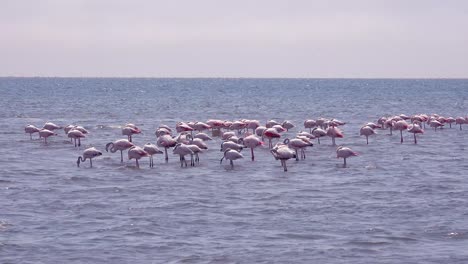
(136, 153)
(151, 149)
(203, 136)
(435, 124)
(271, 123)
(271, 133)
(45, 133)
(89, 153)
(401, 125)
(51, 126)
(121, 145)
(130, 130)
(318, 133)
(166, 141)
(298, 144)
(344, 152)
(415, 129)
(76, 134)
(231, 155)
(310, 123)
(259, 131)
(283, 153)
(334, 132)
(450, 120)
(460, 121)
(182, 150)
(366, 131)
(251, 142)
(30, 129)
(252, 124)
(200, 126)
(287, 125)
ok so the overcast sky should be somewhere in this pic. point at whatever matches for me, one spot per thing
(241, 38)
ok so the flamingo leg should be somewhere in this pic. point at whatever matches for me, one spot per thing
(333, 141)
(166, 158)
(79, 142)
(303, 153)
(137, 164)
(232, 164)
(30, 136)
(91, 162)
(415, 141)
(401, 136)
(344, 165)
(318, 139)
(297, 156)
(121, 156)
(367, 140)
(285, 167)
(251, 151)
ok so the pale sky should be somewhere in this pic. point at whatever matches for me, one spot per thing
(241, 38)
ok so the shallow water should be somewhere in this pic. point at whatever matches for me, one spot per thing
(395, 203)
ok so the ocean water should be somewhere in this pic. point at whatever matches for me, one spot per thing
(394, 203)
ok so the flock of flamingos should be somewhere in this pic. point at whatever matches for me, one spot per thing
(188, 143)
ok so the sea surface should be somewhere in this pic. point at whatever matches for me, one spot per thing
(394, 203)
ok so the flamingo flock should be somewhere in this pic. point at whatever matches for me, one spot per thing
(239, 134)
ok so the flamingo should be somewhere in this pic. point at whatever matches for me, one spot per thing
(31, 129)
(251, 142)
(401, 125)
(51, 126)
(196, 149)
(252, 124)
(318, 133)
(334, 132)
(298, 144)
(130, 130)
(382, 121)
(287, 125)
(182, 150)
(231, 155)
(283, 153)
(238, 125)
(310, 123)
(366, 131)
(226, 135)
(200, 126)
(183, 127)
(68, 128)
(137, 153)
(344, 152)
(460, 121)
(450, 120)
(166, 141)
(151, 149)
(435, 124)
(415, 129)
(121, 145)
(279, 128)
(271, 123)
(89, 153)
(259, 131)
(45, 133)
(321, 122)
(197, 141)
(231, 145)
(76, 134)
(162, 131)
(202, 136)
(271, 133)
